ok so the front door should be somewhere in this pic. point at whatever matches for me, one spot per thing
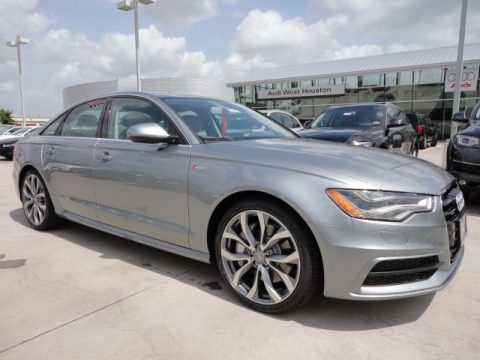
(141, 188)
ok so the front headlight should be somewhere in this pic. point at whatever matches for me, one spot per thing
(360, 143)
(8, 145)
(469, 141)
(380, 205)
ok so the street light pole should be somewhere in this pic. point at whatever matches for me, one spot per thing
(127, 5)
(137, 44)
(459, 68)
(19, 41)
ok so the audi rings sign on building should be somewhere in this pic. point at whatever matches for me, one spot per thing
(469, 80)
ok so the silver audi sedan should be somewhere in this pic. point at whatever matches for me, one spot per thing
(282, 217)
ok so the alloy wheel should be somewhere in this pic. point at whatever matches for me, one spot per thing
(34, 199)
(260, 257)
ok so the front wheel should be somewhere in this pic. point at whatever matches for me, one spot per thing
(267, 256)
(37, 205)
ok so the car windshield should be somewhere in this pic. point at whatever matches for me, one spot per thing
(216, 120)
(15, 130)
(350, 117)
(476, 116)
(20, 131)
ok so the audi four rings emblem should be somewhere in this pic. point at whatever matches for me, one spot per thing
(466, 76)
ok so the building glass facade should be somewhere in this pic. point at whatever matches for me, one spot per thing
(418, 90)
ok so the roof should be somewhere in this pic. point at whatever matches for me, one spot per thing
(427, 58)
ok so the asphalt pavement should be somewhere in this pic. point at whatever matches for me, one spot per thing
(77, 293)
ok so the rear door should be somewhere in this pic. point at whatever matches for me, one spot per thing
(141, 188)
(67, 158)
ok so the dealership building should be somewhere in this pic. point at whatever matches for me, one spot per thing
(420, 81)
(177, 86)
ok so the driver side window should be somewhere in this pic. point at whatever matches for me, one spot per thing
(127, 112)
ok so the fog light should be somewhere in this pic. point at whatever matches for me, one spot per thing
(462, 182)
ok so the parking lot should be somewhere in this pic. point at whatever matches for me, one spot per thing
(77, 293)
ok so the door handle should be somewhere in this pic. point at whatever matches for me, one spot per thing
(104, 156)
(50, 151)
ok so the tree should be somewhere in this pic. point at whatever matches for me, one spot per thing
(6, 117)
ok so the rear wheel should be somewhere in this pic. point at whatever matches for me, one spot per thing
(267, 256)
(434, 141)
(37, 205)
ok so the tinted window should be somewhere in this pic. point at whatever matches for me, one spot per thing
(413, 119)
(53, 126)
(127, 112)
(83, 120)
(284, 119)
(352, 116)
(291, 122)
(216, 120)
(476, 116)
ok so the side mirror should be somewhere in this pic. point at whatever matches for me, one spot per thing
(307, 124)
(150, 133)
(459, 117)
(396, 123)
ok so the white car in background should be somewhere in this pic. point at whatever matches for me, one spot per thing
(284, 118)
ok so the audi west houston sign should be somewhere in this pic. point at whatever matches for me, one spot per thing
(301, 92)
(469, 80)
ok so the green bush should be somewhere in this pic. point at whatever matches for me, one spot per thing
(6, 117)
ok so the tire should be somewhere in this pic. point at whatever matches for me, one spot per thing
(424, 143)
(36, 202)
(276, 275)
(434, 141)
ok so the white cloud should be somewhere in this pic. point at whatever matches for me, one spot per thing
(20, 16)
(181, 13)
(81, 59)
(356, 51)
(284, 41)
(426, 23)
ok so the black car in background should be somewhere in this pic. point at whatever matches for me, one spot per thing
(426, 130)
(7, 143)
(370, 125)
(463, 152)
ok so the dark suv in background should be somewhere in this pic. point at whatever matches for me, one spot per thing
(370, 125)
(463, 152)
(426, 130)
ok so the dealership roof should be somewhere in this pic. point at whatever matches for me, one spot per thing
(427, 58)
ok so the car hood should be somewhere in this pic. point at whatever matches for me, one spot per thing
(339, 164)
(335, 134)
(9, 140)
(8, 137)
(471, 130)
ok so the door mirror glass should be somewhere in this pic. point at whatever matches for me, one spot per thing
(459, 117)
(150, 133)
(396, 122)
(307, 124)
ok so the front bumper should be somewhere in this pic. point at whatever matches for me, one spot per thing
(6, 152)
(350, 254)
(464, 164)
(468, 174)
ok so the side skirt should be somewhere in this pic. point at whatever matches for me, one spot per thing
(158, 244)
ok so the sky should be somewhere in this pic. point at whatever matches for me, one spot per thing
(81, 41)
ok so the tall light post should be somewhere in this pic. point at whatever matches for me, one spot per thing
(459, 68)
(127, 5)
(16, 43)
